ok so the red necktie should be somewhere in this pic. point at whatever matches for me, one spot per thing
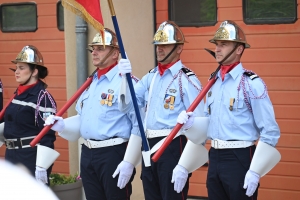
(227, 68)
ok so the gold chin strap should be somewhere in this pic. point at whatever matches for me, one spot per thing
(107, 55)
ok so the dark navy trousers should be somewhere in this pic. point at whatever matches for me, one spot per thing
(97, 167)
(157, 178)
(226, 173)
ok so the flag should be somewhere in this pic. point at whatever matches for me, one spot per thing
(89, 10)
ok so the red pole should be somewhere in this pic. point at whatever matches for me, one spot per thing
(178, 126)
(4, 108)
(62, 110)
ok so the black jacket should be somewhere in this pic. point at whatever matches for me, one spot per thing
(23, 118)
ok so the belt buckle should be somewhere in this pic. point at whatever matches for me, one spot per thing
(216, 146)
(10, 144)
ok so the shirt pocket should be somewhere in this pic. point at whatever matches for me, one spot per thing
(111, 109)
(234, 114)
(171, 104)
(236, 106)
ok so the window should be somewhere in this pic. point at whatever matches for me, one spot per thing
(193, 12)
(60, 16)
(269, 11)
(18, 17)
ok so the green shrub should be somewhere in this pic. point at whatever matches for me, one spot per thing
(60, 179)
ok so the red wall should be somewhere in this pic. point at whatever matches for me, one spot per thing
(50, 41)
(274, 56)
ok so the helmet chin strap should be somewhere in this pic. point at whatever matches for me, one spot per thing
(236, 45)
(169, 54)
(107, 55)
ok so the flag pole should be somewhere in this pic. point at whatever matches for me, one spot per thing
(128, 76)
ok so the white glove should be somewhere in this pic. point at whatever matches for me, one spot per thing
(251, 182)
(124, 66)
(125, 169)
(186, 118)
(41, 174)
(59, 126)
(179, 177)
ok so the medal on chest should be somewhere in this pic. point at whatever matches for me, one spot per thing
(110, 98)
(169, 102)
(103, 97)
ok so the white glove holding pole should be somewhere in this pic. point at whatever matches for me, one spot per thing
(41, 174)
(186, 118)
(251, 182)
(59, 126)
(125, 169)
(179, 178)
(124, 66)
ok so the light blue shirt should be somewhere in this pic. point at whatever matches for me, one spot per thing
(240, 123)
(102, 122)
(159, 117)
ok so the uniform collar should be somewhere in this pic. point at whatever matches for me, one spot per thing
(235, 72)
(110, 74)
(40, 85)
(175, 68)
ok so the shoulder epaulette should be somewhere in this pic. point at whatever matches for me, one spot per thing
(152, 70)
(251, 75)
(136, 79)
(187, 71)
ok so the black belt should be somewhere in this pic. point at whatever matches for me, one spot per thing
(18, 143)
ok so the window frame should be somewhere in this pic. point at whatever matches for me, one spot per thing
(171, 16)
(57, 16)
(267, 21)
(18, 4)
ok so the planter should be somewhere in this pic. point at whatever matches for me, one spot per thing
(71, 191)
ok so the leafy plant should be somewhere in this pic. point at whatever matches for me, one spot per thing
(61, 179)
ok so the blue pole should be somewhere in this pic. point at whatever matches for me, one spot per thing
(128, 76)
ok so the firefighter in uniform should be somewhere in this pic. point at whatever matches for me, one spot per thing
(25, 115)
(240, 113)
(103, 127)
(165, 91)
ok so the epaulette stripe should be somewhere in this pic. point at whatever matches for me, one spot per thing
(188, 72)
(251, 75)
